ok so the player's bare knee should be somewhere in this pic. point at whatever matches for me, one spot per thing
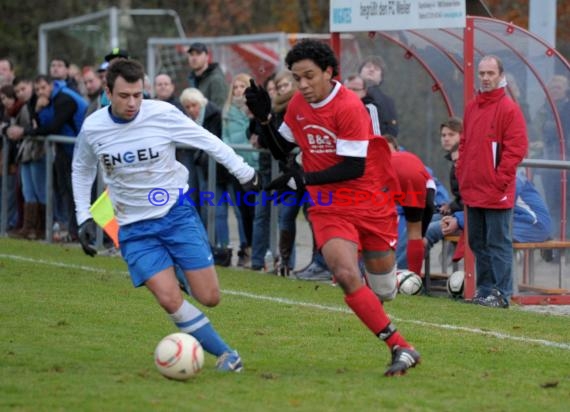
(210, 298)
(170, 302)
(349, 279)
(342, 273)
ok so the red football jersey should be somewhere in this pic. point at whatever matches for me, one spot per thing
(413, 177)
(341, 126)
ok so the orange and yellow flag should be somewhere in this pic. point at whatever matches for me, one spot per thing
(104, 215)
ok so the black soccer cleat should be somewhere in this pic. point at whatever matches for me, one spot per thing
(495, 300)
(402, 360)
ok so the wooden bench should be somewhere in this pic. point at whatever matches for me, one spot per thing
(528, 249)
(527, 281)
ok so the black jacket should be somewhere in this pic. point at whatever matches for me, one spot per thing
(212, 123)
(456, 205)
(387, 110)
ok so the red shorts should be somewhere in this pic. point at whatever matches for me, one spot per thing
(371, 232)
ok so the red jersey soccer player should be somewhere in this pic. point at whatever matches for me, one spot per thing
(418, 191)
(333, 129)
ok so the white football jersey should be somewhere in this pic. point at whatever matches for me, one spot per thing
(138, 160)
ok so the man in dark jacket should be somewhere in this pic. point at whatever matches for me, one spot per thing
(450, 132)
(206, 76)
(356, 83)
(372, 72)
(493, 144)
(209, 116)
(59, 110)
(164, 90)
(94, 88)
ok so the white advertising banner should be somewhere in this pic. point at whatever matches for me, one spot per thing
(381, 15)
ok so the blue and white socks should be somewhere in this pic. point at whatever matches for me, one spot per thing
(189, 319)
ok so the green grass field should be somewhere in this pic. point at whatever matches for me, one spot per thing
(76, 336)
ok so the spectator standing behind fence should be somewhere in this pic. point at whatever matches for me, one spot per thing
(493, 143)
(235, 130)
(59, 110)
(101, 71)
(558, 88)
(76, 73)
(59, 70)
(164, 90)
(32, 164)
(356, 83)
(11, 108)
(7, 75)
(260, 244)
(372, 70)
(335, 136)
(93, 89)
(290, 203)
(205, 75)
(210, 80)
(270, 85)
(209, 116)
(290, 206)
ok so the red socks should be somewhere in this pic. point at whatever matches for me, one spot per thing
(415, 255)
(366, 305)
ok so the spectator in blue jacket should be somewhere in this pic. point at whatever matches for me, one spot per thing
(531, 218)
(59, 110)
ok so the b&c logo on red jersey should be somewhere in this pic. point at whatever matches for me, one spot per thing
(320, 139)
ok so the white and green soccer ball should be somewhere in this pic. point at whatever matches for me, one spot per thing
(409, 283)
(456, 284)
(179, 356)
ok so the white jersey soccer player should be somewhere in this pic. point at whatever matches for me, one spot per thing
(138, 160)
(134, 141)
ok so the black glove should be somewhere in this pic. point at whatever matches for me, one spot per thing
(253, 185)
(86, 234)
(258, 101)
(291, 179)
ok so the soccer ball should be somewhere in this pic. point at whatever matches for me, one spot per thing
(455, 283)
(409, 283)
(179, 356)
(400, 274)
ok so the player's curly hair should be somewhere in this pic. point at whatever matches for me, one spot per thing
(314, 50)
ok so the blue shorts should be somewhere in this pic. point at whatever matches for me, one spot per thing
(150, 246)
